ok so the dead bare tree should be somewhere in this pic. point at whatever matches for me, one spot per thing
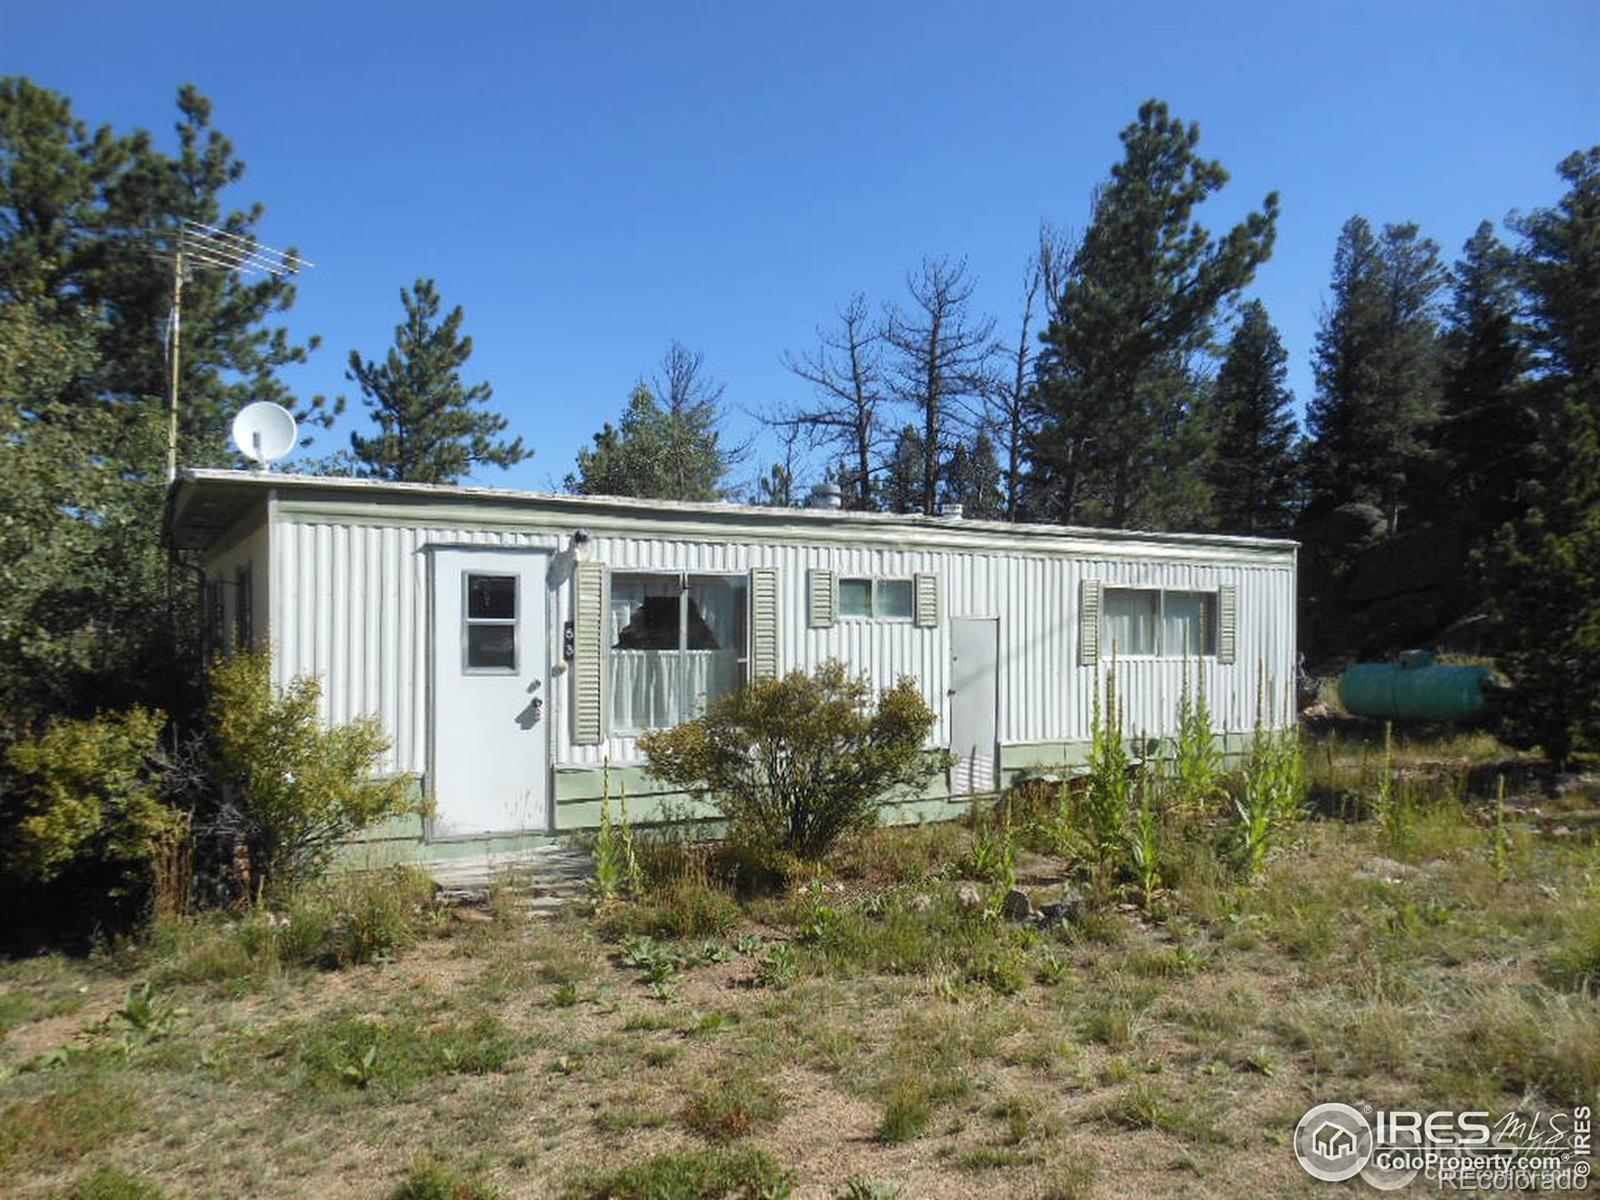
(692, 400)
(846, 375)
(944, 355)
(1011, 401)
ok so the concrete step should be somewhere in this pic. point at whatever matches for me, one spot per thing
(549, 872)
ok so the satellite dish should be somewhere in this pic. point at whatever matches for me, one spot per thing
(264, 432)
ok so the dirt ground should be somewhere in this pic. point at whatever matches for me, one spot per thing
(1123, 1055)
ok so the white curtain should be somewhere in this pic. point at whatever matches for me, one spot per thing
(720, 603)
(1130, 621)
(644, 683)
(656, 689)
(1185, 624)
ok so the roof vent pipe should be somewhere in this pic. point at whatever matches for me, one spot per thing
(950, 511)
(826, 495)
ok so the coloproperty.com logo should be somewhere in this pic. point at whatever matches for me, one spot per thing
(1453, 1151)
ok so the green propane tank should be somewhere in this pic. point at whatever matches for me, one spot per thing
(1415, 690)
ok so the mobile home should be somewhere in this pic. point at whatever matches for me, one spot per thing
(515, 645)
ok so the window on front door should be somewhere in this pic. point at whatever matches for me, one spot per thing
(489, 623)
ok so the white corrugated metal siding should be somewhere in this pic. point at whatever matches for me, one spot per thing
(351, 603)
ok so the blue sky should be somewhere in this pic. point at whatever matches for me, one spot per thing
(593, 180)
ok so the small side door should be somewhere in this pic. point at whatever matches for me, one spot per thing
(974, 704)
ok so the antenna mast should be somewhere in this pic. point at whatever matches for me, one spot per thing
(201, 245)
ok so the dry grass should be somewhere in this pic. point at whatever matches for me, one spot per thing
(869, 1038)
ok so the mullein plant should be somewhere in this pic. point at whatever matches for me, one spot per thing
(1104, 807)
(1500, 835)
(1272, 792)
(616, 860)
(1197, 760)
(1144, 844)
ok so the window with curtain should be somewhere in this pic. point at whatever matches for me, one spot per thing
(677, 642)
(1148, 621)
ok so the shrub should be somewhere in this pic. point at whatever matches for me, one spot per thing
(797, 763)
(298, 790)
(84, 791)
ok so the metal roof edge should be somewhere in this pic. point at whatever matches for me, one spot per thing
(823, 519)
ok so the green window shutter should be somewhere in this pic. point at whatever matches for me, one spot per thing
(1089, 622)
(589, 654)
(927, 589)
(1227, 622)
(764, 623)
(822, 599)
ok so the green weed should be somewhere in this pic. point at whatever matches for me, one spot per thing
(726, 1109)
(112, 1183)
(738, 1171)
(429, 1180)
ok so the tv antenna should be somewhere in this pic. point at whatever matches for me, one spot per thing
(209, 248)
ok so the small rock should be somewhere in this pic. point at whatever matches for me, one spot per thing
(1385, 870)
(472, 916)
(1065, 911)
(1016, 906)
(921, 902)
(968, 896)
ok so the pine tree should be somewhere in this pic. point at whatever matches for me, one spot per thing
(1542, 570)
(80, 213)
(85, 386)
(901, 488)
(654, 452)
(973, 479)
(432, 428)
(1137, 303)
(775, 489)
(1487, 429)
(1254, 469)
(1377, 370)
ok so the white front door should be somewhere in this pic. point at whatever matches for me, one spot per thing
(974, 703)
(491, 692)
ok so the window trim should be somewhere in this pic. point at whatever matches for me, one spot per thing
(468, 621)
(684, 578)
(1107, 650)
(876, 615)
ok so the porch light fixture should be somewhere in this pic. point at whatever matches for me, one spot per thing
(580, 545)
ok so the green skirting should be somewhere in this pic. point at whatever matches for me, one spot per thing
(580, 791)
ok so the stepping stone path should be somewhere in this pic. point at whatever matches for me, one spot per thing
(541, 881)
